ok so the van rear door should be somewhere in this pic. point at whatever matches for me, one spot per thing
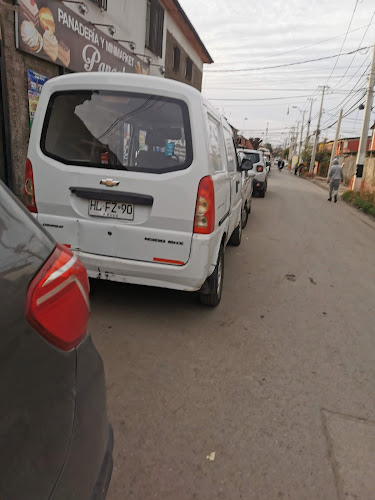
(114, 176)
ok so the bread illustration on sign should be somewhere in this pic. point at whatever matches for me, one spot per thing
(30, 11)
(64, 54)
(50, 45)
(47, 22)
(31, 37)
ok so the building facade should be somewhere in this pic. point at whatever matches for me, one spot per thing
(41, 39)
(185, 52)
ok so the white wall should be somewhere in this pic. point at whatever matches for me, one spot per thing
(171, 26)
(129, 19)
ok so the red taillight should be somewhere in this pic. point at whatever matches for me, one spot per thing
(204, 220)
(29, 188)
(57, 301)
(259, 168)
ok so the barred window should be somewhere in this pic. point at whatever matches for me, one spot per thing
(154, 27)
(102, 3)
(189, 68)
(176, 58)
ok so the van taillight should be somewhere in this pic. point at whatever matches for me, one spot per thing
(57, 300)
(204, 221)
(29, 188)
(259, 168)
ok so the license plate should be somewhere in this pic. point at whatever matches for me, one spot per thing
(111, 209)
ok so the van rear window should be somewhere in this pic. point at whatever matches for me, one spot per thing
(118, 130)
(254, 157)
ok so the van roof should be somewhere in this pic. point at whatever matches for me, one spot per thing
(130, 82)
(141, 82)
(249, 150)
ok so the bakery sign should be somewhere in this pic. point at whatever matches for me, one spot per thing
(49, 30)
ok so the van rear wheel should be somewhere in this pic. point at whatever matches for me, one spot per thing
(235, 239)
(214, 283)
(244, 216)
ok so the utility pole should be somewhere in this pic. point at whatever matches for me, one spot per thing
(296, 144)
(308, 124)
(336, 140)
(290, 155)
(365, 128)
(317, 132)
(300, 141)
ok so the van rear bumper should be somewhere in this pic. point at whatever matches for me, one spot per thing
(189, 277)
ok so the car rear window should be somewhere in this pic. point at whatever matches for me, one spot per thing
(254, 157)
(118, 130)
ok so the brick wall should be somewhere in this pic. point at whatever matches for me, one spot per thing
(16, 65)
(179, 74)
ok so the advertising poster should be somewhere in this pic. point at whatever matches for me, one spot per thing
(50, 30)
(35, 83)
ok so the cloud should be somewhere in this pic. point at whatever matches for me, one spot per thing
(243, 34)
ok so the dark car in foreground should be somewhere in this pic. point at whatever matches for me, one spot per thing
(55, 439)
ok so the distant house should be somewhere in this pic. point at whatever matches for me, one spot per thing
(373, 140)
(348, 146)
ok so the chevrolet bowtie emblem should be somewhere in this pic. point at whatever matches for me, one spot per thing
(109, 182)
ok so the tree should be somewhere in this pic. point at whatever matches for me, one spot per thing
(255, 141)
(269, 146)
(285, 153)
(323, 157)
(278, 151)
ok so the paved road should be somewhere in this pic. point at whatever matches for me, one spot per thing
(278, 380)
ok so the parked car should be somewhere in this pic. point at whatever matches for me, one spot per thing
(247, 189)
(260, 168)
(55, 440)
(139, 176)
(267, 159)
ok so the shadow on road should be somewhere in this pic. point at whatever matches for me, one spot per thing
(127, 296)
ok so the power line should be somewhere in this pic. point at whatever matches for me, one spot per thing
(341, 91)
(353, 108)
(306, 46)
(343, 43)
(367, 59)
(360, 43)
(244, 99)
(354, 90)
(287, 64)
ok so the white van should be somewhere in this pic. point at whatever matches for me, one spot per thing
(139, 177)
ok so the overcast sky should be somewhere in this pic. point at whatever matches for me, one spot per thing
(247, 34)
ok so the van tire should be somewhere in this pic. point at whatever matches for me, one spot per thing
(214, 283)
(244, 216)
(235, 239)
(262, 193)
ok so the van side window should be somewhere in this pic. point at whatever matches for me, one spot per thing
(214, 140)
(231, 153)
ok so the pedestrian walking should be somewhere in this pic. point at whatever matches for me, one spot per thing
(335, 176)
(279, 164)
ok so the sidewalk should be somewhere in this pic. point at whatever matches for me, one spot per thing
(322, 182)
